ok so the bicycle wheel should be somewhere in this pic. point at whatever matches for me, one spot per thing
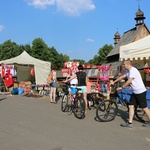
(140, 114)
(106, 111)
(64, 103)
(79, 108)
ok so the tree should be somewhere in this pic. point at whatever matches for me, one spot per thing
(27, 48)
(40, 49)
(81, 61)
(101, 57)
(8, 50)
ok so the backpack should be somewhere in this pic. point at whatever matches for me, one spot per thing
(49, 79)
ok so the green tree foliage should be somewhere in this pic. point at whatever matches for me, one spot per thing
(101, 57)
(40, 50)
(8, 50)
(61, 59)
(81, 61)
(27, 48)
(66, 58)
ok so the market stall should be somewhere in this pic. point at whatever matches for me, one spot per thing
(24, 71)
(139, 53)
(26, 64)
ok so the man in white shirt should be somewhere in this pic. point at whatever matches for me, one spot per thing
(138, 97)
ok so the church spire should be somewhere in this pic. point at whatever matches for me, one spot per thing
(139, 15)
(116, 37)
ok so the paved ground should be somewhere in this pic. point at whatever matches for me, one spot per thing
(35, 124)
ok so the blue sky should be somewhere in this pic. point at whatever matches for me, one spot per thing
(77, 28)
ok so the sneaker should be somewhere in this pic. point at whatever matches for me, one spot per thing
(126, 124)
(147, 124)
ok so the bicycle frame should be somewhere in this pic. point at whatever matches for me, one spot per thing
(76, 106)
(103, 110)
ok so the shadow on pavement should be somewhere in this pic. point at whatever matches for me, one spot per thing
(1, 99)
(123, 114)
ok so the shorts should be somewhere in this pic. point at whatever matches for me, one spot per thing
(84, 89)
(54, 85)
(138, 100)
(89, 98)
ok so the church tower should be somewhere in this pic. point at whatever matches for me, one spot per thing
(116, 38)
(139, 17)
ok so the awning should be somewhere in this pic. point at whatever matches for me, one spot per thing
(137, 50)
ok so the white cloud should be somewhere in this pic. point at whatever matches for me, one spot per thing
(1, 28)
(70, 7)
(90, 40)
(74, 7)
(40, 3)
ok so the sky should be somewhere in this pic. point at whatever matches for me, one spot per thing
(77, 28)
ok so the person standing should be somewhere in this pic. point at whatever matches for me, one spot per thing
(89, 98)
(82, 79)
(53, 87)
(138, 97)
(73, 85)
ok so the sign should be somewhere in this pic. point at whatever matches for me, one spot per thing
(65, 72)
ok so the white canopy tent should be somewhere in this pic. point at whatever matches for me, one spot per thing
(41, 68)
(139, 53)
(137, 50)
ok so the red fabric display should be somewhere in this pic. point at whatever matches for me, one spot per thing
(32, 72)
(9, 80)
(146, 71)
(8, 71)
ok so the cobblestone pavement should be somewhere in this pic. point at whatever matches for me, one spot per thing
(28, 123)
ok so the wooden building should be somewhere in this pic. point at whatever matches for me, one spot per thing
(139, 31)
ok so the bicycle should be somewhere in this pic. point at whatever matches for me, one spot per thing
(77, 103)
(97, 98)
(108, 109)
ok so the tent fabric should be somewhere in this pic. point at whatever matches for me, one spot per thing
(137, 50)
(24, 74)
(41, 68)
